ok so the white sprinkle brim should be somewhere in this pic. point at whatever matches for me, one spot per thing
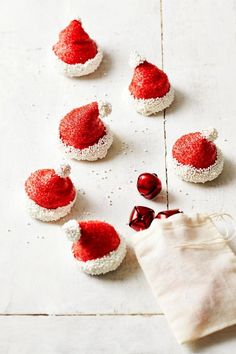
(76, 70)
(200, 175)
(152, 106)
(93, 152)
(106, 263)
(44, 214)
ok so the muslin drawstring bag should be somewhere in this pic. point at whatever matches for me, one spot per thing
(192, 272)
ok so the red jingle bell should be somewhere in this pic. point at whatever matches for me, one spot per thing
(149, 185)
(167, 213)
(141, 218)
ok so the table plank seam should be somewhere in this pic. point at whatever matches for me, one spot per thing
(164, 112)
(80, 314)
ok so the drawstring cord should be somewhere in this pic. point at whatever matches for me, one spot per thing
(214, 241)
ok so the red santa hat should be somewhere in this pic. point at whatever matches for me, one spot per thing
(77, 53)
(196, 158)
(82, 133)
(50, 193)
(150, 89)
(97, 247)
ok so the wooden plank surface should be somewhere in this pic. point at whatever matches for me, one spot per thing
(200, 55)
(41, 275)
(102, 334)
(196, 44)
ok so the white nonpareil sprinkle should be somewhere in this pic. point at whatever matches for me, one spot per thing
(151, 106)
(77, 70)
(199, 175)
(105, 264)
(44, 214)
(91, 153)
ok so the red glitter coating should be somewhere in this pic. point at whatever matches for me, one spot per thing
(48, 190)
(149, 82)
(82, 127)
(195, 150)
(74, 45)
(97, 240)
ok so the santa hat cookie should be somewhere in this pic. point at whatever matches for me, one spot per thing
(196, 158)
(150, 89)
(77, 53)
(97, 247)
(82, 133)
(50, 193)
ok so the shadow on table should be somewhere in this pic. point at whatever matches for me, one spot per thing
(226, 335)
(227, 176)
(81, 206)
(178, 102)
(128, 268)
(114, 150)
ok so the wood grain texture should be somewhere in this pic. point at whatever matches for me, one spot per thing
(102, 334)
(41, 275)
(199, 55)
(195, 43)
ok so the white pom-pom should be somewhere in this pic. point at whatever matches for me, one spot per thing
(63, 171)
(104, 108)
(72, 230)
(78, 19)
(135, 59)
(210, 133)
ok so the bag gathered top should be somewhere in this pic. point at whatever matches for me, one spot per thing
(192, 272)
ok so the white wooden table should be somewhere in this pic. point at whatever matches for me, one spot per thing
(46, 305)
